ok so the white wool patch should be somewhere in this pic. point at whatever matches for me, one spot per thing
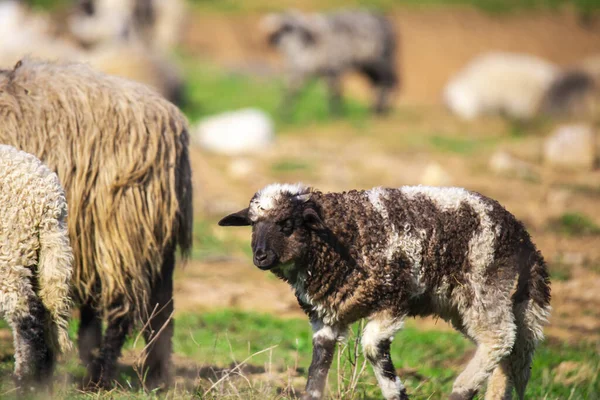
(389, 388)
(266, 198)
(481, 245)
(409, 240)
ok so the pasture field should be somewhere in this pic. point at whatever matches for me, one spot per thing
(239, 333)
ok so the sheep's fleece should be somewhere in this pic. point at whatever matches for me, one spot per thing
(34, 244)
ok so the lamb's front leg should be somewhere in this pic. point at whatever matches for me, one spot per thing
(324, 340)
(376, 342)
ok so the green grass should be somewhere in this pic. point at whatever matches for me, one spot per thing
(428, 361)
(584, 7)
(575, 224)
(211, 90)
(208, 245)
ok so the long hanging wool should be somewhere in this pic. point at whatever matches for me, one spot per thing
(121, 153)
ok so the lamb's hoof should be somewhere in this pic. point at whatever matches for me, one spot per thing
(462, 396)
(403, 395)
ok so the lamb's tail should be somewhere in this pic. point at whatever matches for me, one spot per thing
(55, 269)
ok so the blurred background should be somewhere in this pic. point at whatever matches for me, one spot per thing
(497, 96)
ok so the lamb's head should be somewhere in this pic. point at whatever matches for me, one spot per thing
(290, 29)
(282, 218)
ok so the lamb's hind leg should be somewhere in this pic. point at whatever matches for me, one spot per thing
(493, 329)
(376, 342)
(34, 356)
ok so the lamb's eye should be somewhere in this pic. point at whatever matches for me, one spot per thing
(287, 226)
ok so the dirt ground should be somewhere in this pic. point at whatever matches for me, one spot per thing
(388, 155)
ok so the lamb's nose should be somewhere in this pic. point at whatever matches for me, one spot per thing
(260, 255)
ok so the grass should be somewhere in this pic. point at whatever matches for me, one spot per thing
(210, 90)
(217, 341)
(584, 7)
(575, 224)
(208, 245)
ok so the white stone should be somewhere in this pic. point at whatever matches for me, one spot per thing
(571, 147)
(504, 163)
(237, 132)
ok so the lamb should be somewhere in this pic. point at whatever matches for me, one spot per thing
(385, 254)
(121, 152)
(499, 83)
(35, 265)
(328, 45)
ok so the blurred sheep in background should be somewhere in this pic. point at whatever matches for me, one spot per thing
(328, 45)
(510, 84)
(575, 92)
(107, 34)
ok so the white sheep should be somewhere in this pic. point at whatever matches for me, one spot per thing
(35, 264)
(499, 83)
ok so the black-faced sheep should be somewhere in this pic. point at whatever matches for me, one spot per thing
(328, 45)
(121, 152)
(35, 265)
(385, 254)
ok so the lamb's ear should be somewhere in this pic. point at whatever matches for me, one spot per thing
(312, 219)
(239, 218)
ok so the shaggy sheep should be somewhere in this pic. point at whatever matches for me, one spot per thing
(121, 152)
(329, 45)
(35, 264)
(499, 83)
(385, 254)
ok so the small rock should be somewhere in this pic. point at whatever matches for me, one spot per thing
(504, 163)
(435, 175)
(571, 147)
(236, 132)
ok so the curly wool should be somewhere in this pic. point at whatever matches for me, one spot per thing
(35, 255)
(121, 152)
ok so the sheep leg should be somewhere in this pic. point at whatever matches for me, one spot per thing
(34, 355)
(324, 340)
(376, 341)
(158, 335)
(495, 338)
(90, 334)
(294, 82)
(335, 93)
(104, 368)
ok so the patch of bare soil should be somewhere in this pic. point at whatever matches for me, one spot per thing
(434, 43)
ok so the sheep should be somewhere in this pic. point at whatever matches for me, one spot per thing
(385, 254)
(575, 91)
(499, 83)
(328, 45)
(35, 265)
(121, 152)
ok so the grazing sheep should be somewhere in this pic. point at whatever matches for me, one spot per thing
(574, 92)
(329, 45)
(499, 83)
(121, 152)
(35, 264)
(385, 254)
